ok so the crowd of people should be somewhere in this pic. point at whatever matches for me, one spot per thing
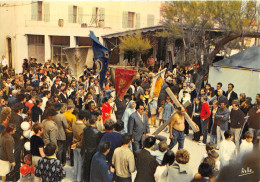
(73, 121)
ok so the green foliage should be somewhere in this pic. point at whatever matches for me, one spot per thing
(135, 44)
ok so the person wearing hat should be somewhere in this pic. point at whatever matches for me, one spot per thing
(62, 125)
(50, 133)
(237, 121)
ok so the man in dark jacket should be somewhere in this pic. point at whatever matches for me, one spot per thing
(120, 108)
(146, 164)
(230, 94)
(91, 138)
(237, 121)
(138, 126)
(18, 136)
(115, 138)
(100, 170)
(253, 121)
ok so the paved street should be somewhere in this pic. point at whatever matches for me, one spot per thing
(196, 153)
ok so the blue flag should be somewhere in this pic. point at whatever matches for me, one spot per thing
(101, 56)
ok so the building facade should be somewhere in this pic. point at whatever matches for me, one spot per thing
(41, 29)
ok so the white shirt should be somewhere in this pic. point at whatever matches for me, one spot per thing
(141, 116)
(245, 148)
(133, 88)
(228, 96)
(44, 101)
(97, 89)
(226, 152)
(181, 93)
(4, 62)
(158, 174)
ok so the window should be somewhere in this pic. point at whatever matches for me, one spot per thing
(98, 14)
(39, 10)
(57, 45)
(131, 16)
(36, 11)
(75, 13)
(36, 47)
(101, 14)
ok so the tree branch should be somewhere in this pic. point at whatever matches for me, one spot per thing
(220, 44)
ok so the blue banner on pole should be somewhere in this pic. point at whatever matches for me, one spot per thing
(101, 56)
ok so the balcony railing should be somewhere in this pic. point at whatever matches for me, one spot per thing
(63, 21)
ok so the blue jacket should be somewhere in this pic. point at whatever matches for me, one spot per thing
(116, 141)
(99, 171)
(168, 110)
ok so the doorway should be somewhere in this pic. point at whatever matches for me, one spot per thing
(9, 47)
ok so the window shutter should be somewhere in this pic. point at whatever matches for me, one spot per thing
(102, 14)
(94, 14)
(138, 19)
(70, 14)
(80, 15)
(150, 20)
(125, 19)
(34, 10)
(46, 11)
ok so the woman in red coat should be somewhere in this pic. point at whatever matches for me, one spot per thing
(106, 108)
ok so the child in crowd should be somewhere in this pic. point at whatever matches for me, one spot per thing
(205, 172)
(227, 149)
(160, 111)
(146, 95)
(209, 147)
(49, 168)
(246, 145)
(37, 144)
(214, 155)
(168, 109)
(160, 153)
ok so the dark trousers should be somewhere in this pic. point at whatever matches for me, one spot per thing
(69, 139)
(197, 134)
(86, 165)
(187, 127)
(137, 146)
(204, 129)
(61, 154)
(17, 152)
(120, 179)
(178, 136)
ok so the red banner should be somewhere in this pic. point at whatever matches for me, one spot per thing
(123, 80)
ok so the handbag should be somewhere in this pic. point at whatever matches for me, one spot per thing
(14, 174)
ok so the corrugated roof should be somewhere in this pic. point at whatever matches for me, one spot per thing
(129, 32)
(249, 58)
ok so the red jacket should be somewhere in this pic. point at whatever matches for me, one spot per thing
(205, 112)
(106, 108)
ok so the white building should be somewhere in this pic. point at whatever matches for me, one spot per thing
(42, 28)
